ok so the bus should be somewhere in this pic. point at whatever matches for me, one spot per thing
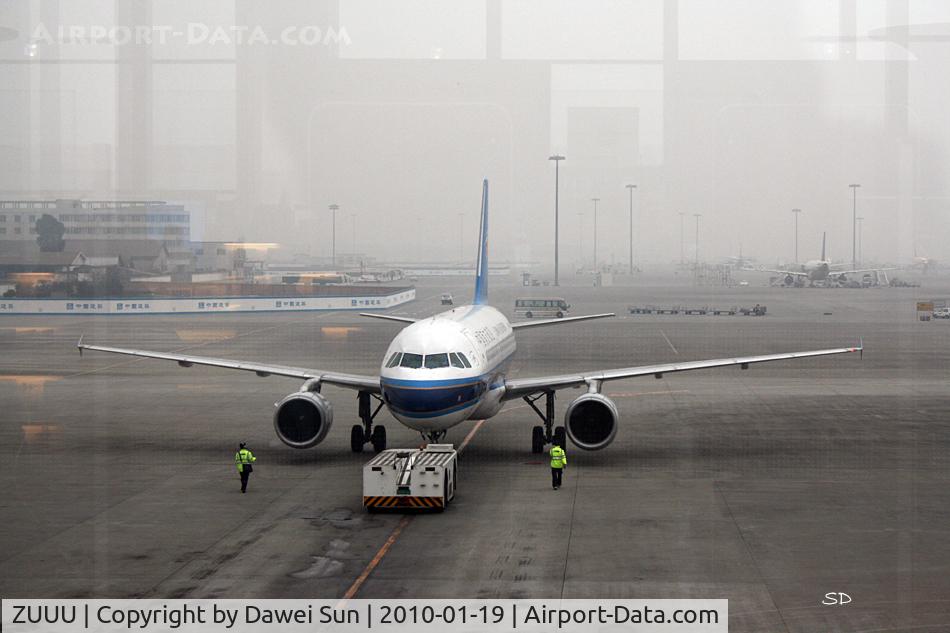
(546, 307)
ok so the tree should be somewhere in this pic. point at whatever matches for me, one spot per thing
(49, 234)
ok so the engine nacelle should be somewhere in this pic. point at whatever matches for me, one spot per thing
(789, 280)
(591, 421)
(303, 419)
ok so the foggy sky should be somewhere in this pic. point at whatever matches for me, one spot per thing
(736, 110)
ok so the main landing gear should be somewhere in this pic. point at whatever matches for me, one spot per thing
(366, 433)
(547, 434)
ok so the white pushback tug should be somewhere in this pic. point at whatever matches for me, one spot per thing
(411, 478)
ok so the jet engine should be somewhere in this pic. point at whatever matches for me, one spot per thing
(591, 421)
(789, 280)
(302, 419)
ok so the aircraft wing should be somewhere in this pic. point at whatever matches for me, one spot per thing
(838, 273)
(796, 273)
(387, 317)
(350, 381)
(540, 322)
(519, 387)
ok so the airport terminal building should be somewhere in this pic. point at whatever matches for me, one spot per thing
(110, 220)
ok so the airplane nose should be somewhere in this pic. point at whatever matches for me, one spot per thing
(425, 399)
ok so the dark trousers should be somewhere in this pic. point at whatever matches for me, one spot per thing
(244, 477)
(556, 477)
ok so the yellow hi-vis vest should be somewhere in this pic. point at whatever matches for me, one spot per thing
(558, 457)
(242, 457)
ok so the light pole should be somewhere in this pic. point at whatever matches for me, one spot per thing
(682, 237)
(854, 225)
(461, 227)
(630, 188)
(697, 216)
(557, 158)
(353, 218)
(580, 237)
(595, 201)
(796, 212)
(860, 232)
(333, 209)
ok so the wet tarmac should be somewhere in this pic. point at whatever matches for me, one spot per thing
(770, 487)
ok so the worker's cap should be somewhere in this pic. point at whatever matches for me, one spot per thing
(243, 444)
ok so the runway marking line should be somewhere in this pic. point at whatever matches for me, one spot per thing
(668, 342)
(403, 523)
(471, 434)
(355, 587)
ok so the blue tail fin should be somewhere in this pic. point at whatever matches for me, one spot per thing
(481, 262)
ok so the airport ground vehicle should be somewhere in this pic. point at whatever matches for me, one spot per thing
(942, 313)
(545, 307)
(399, 478)
(446, 299)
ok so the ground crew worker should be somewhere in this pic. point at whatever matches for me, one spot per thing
(558, 462)
(244, 460)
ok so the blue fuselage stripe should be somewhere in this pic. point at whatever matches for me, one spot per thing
(434, 414)
(433, 398)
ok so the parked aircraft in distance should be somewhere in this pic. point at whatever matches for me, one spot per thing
(819, 270)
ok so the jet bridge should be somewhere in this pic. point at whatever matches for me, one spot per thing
(421, 479)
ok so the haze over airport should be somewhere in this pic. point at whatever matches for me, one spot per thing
(736, 111)
(285, 311)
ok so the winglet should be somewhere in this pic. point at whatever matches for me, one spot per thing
(481, 262)
(861, 347)
(79, 344)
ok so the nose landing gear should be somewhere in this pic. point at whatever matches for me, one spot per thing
(434, 437)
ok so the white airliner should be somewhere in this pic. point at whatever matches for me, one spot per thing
(451, 367)
(922, 263)
(819, 270)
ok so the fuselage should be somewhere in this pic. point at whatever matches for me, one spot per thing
(817, 269)
(450, 367)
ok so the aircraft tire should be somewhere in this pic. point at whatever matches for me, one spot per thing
(445, 491)
(528, 315)
(356, 438)
(378, 439)
(537, 440)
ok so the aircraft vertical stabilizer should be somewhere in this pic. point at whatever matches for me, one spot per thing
(481, 261)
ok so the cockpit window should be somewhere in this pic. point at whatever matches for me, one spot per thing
(411, 361)
(436, 361)
(394, 359)
(455, 360)
(464, 360)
